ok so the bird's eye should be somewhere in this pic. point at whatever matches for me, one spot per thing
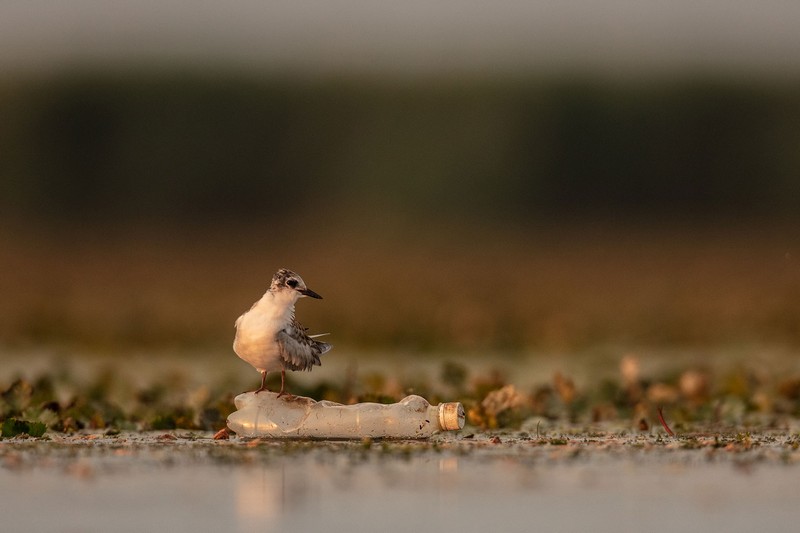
(292, 283)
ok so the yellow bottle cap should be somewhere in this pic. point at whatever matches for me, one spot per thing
(451, 416)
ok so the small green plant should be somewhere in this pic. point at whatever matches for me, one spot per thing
(13, 427)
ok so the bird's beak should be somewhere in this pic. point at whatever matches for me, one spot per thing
(309, 292)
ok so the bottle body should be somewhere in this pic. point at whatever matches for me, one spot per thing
(266, 415)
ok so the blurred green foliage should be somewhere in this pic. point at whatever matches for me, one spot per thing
(199, 147)
(12, 427)
(694, 400)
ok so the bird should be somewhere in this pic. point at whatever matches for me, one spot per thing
(270, 338)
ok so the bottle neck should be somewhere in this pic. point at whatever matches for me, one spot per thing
(450, 416)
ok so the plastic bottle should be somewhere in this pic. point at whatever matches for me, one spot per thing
(266, 415)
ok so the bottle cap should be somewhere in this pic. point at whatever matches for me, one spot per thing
(451, 416)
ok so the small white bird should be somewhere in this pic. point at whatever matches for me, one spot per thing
(268, 336)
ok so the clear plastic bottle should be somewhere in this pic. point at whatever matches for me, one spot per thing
(266, 415)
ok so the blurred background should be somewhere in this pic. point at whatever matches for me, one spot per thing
(453, 177)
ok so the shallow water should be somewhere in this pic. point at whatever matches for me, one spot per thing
(202, 485)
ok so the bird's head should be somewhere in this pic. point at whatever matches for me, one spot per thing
(287, 282)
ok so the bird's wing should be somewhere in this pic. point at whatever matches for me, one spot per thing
(298, 350)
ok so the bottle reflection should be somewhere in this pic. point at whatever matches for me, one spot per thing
(293, 491)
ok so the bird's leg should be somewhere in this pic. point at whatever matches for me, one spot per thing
(283, 384)
(263, 383)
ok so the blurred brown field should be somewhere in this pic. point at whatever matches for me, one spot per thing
(410, 285)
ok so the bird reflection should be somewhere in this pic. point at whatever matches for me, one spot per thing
(260, 496)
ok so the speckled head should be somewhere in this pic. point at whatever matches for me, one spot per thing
(285, 279)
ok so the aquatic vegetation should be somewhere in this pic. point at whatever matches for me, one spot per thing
(13, 427)
(675, 403)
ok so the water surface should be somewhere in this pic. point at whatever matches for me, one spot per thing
(158, 483)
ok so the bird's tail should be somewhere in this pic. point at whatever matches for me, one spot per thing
(324, 347)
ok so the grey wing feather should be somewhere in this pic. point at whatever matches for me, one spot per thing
(298, 350)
